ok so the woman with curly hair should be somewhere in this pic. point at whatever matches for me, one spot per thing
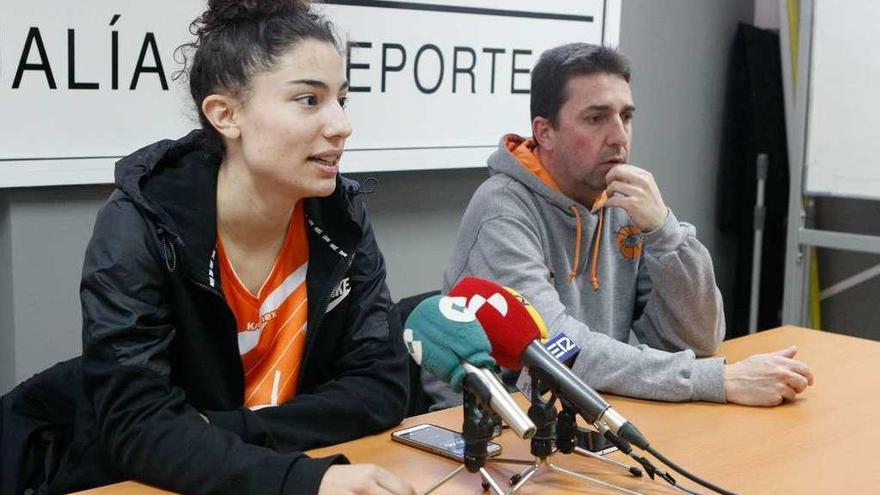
(234, 299)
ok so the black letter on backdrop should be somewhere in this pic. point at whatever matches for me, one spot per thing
(149, 40)
(456, 70)
(71, 64)
(416, 68)
(493, 51)
(114, 54)
(514, 71)
(34, 35)
(392, 68)
(349, 66)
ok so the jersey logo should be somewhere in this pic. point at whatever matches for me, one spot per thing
(339, 293)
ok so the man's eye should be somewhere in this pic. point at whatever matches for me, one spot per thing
(596, 119)
(627, 118)
(343, 100)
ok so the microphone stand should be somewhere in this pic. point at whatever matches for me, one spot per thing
(566, 439)
(561, 428)
(480, 424)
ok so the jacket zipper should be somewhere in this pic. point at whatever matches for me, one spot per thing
(167, 247)
(320, 318)
(171, 264)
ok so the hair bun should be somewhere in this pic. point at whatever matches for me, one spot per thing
(222, 13)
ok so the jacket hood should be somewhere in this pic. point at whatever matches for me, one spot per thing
(167, 181)
(174, 183)
(516, 158)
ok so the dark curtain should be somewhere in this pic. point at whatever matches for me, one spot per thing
(754, 123)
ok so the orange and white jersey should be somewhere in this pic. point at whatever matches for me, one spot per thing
(272, 323)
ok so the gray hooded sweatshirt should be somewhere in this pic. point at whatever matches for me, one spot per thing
(600, 290)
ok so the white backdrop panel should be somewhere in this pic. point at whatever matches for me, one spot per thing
(843, 136)
(81, 87)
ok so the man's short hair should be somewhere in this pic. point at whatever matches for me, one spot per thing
(557, 66)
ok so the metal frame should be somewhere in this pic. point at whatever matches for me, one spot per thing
(800, 238)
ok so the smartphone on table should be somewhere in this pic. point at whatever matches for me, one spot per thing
(438, 440)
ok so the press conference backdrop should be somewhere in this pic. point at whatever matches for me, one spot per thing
(843, 135)
(433, 84)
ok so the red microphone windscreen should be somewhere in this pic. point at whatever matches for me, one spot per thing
(508, 323)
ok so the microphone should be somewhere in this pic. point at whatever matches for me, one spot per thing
(514, 331)
(445, 338)
(480, 295)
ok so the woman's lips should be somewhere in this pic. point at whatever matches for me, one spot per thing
(328, 165)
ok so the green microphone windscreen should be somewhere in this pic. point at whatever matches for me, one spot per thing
(441, 333)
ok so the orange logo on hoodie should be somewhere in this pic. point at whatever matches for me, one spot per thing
(629, 242)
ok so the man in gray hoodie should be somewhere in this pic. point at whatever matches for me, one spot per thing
(587, 239)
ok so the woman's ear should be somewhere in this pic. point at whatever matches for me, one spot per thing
(222, 112)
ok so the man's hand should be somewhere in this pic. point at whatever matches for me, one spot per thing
(766, 379)
(638, 195)
(362, 479)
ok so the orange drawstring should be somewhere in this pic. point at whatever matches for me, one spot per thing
(577, 244)
(594, 272)
(597, 238)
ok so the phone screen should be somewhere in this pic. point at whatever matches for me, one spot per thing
(438, 440)
(445, 439)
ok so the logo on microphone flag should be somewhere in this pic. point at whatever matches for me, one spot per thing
(562, 348)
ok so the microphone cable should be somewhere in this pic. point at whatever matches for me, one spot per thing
(696, 479)
(630, 433)
(646, 463)
(651, 469)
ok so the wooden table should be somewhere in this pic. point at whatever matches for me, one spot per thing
(821, 443)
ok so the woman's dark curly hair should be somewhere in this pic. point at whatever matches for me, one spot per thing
(236, 39)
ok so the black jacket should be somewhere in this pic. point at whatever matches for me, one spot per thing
(160, 343)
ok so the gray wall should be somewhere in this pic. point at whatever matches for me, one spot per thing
(416, 218)
(47, 231)
(7, 340)
(679, 51)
